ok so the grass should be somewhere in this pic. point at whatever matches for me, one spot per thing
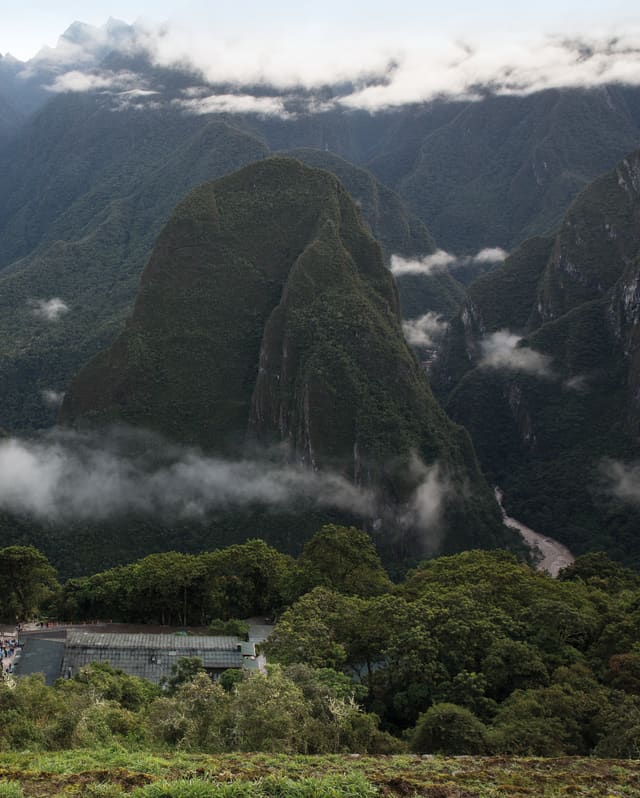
(113, 772)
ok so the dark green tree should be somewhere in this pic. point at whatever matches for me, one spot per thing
(28, 580)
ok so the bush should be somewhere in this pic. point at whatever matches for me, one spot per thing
(449, 729)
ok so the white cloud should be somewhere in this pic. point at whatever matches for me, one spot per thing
(425, 330)
(234, 104)
(382, 70)
(437, 262)
(49, 309)
(424, 513)
(509, 66)
(99, 80)
(490, 255)
(622, 480)
(500, 350)
(440, 261)
(52, 398)
(67, 476)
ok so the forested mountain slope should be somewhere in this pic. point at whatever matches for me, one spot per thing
(266, 317)
(90, 177)
(555, 416)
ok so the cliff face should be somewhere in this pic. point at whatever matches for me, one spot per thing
(266, 316)
(547, 434)
(599, 236)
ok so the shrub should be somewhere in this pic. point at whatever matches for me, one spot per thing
(449, 729)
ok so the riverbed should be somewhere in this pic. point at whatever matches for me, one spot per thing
(550, 555)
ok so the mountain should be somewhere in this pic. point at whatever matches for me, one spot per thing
(397, 230)
(503, 169)
(86, 192)
(80, 212)
(89, 177)
(266, 317)
(554, 416)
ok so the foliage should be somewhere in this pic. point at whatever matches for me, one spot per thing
(28, 581)
(449, 729)
(343, 559)
(233, 627)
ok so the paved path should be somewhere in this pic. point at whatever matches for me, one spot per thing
(551, 556)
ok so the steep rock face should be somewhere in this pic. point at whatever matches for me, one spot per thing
(548, 430)
(623, 312)
(598, 238)
(266, 316)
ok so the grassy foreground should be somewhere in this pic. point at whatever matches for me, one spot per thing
(112, 772)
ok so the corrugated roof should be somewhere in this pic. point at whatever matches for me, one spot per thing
(152, 641)
(149, 656)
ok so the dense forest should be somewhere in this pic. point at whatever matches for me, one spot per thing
(469, 654)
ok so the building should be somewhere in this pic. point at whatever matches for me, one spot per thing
(149, 656)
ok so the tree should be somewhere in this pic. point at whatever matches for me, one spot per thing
(162, 586)
(343, 559)
(195, 717)
(28, 580)
(312, 630)
(511, 664)
(449, 729)
(247, 579)
(185, 670)
(269, 713)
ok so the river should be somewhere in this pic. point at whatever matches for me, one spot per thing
(550, 555)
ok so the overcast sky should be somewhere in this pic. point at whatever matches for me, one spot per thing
(29, 24)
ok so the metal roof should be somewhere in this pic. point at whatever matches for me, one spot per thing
(149, 656)
(166, 642)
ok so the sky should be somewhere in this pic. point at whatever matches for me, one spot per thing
(29, 24)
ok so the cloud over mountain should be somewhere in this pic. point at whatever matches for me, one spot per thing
(49, 309)
(501, 350)
(440, 261)
(374, 73)
(622, 480)
(425, 330)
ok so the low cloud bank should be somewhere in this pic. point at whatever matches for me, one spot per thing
(441, 261)
(622, 480)
(65, 476)
(49, 309)
(69, 476)
(424, 331)
(501, 350)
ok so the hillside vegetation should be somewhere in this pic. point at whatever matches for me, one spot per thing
(556, 418)
(470, 654)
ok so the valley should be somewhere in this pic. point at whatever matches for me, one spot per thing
(278, 310)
